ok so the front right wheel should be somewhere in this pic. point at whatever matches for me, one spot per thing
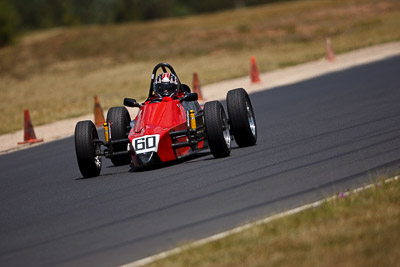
(217, 129)
(86, 147)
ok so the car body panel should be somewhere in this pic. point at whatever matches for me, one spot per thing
(153, 123)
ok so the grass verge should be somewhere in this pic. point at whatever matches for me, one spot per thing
(360, 229)
(56, 73)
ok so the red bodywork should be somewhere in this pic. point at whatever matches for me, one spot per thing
(161, 118)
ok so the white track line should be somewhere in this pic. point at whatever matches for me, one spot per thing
(209, 239)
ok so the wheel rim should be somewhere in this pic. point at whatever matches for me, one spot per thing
(227, 135)
(250, 117)
(97, 161)
(96, 147)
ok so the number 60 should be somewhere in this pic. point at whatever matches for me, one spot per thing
(147, 142)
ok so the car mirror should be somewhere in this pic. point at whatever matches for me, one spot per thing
(189, 97)
(129, 102)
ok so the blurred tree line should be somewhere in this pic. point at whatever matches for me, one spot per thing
(25, 15)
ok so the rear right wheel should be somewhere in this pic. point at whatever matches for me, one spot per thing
(217, 129)
(120, 126)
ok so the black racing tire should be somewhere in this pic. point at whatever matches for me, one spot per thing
(120, 126)
(217, 129)
(89, 164)
(241, 117)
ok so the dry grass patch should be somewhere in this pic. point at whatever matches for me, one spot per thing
(55, 73)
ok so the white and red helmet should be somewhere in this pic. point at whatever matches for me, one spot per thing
(166, 84)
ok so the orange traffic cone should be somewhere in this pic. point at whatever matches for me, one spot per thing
(330, 55)
(196, 86)
(254, 74)
(98, 113)
(29, 133)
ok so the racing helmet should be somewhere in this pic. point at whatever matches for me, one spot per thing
(166, 84)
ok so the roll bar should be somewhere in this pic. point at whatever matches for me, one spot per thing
(164, 67)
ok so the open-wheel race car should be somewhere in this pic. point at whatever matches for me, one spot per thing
(169, 125)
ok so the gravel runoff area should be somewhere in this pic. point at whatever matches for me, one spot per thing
(218, 91)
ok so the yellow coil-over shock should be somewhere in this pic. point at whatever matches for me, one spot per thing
(106, 132)
(192, 120)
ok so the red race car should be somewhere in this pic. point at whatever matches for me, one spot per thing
(170, 125)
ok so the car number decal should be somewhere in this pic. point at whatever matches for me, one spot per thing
(148, 143)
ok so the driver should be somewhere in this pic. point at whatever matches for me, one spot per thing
(166, 84)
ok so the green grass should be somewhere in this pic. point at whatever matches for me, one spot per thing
(360, 229)
(56, 73)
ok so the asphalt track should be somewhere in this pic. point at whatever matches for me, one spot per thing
(316, 138)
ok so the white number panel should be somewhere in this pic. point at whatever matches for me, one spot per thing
(148, 143)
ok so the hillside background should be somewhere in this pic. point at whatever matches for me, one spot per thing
(24, 15)
(56, 71)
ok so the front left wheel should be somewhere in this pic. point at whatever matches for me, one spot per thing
(85, 147)
(217, 129)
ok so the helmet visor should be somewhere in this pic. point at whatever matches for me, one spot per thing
(165, 89)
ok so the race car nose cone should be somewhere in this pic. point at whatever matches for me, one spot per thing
(148, 158)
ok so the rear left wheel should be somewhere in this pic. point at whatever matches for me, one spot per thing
(217, 129)
(89, 163)
(241, 117)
